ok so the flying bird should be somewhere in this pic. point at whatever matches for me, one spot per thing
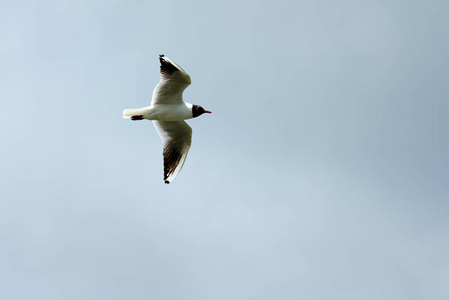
(168, 112)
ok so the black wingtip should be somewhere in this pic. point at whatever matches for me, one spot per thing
(167, 182)
(167, 68)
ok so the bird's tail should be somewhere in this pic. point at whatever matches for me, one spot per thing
(128, 113)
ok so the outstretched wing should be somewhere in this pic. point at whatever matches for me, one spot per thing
(177, 138)
(174, 80)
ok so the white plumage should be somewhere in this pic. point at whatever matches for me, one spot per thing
(168, 112)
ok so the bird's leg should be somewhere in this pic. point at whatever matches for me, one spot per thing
(137, 117)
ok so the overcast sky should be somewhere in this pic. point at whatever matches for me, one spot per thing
(322, 173)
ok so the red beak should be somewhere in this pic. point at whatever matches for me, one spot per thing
(206, 111)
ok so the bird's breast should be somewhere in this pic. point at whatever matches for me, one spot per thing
(169, 112)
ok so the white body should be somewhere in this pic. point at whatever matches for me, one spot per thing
(162, 112)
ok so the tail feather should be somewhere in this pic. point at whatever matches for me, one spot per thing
(128, 113)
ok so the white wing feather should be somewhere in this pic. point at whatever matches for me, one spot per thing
(174, 80)
(177, 138)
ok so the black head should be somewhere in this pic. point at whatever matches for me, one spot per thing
(198, 111)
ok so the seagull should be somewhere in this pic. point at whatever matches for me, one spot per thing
(168, 112)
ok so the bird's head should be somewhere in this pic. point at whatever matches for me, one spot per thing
(198, 111)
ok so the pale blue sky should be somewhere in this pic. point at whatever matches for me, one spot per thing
(321, 174)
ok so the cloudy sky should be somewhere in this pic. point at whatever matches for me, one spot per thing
(322, 173)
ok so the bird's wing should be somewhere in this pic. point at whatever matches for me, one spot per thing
(174, 80)
(177, 138)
